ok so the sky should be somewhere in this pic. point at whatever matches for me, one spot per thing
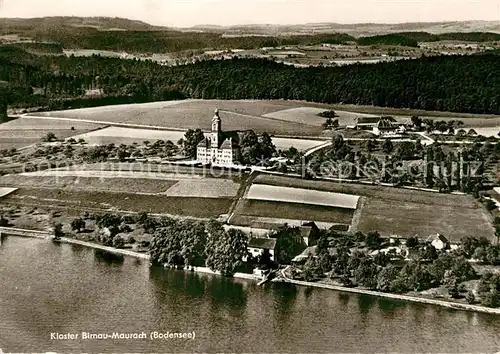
(185, 13)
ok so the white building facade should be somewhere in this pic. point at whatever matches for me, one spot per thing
(216, 149)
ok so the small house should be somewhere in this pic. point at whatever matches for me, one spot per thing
(259, 246)
(366, 123)
(438, 241)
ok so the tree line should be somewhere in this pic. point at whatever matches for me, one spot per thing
(447, 83)
(412, 39)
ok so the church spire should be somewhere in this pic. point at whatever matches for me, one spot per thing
(216, 121)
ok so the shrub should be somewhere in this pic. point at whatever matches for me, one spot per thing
(131, 240)
(58, 232)
(78, 224)
(118, 241)
(4, 221)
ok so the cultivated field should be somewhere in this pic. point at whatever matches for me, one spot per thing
(105, 201)
(26, 131)
(248, 213)
(235, 115)
(207, 188)
(301, 196)
(279, 117)
(309, 115)
(299, 144)
(405, 212)
(121, 135)
(128, 136)
(4, 191)
(168, 184)
(72, 183)
(148, 170)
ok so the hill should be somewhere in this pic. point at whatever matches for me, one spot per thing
(363, 29)
(58, 22)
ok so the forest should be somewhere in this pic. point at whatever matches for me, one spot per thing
(446, 83)
(412, 39)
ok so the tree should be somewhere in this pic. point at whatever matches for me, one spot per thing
(370, 145)
(49, 137)
(310, 270)
(108, 220)
(386, 277)
(118, 241)
(480, 254)
(58, 231)
(387, 146)
(488, 290)
(373, 240)
(249, 139)
(327, 114)
(366, 273)
(194, 241)
(451, 284)
(289, 244)
(4, 221)
(470, 297)
(412, 242)
(5, 94)
(78, 224)
(225, 251)
(191, 140)
(267, 147)
(417, 122)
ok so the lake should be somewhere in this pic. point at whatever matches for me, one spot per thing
(47, 287)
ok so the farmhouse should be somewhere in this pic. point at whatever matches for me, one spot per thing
(219, 148)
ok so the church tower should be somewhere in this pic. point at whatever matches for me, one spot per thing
(216, 130)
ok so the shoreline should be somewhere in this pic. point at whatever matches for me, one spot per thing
(281, 279)
(45, 235)
(408, 298)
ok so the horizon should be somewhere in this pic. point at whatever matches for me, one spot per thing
(225, 13)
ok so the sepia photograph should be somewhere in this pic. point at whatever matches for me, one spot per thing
(250, 176)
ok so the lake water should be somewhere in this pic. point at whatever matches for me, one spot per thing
(67, 288)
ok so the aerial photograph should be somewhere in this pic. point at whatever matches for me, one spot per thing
(249, 176)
